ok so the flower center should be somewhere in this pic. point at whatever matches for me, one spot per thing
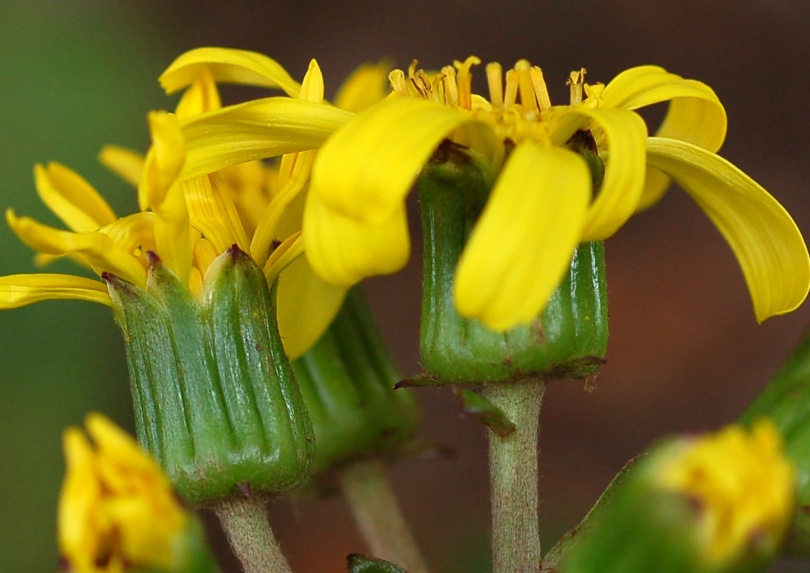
(518, 99)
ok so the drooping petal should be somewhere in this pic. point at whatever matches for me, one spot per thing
(523, 242)
(228, 66)
(71, 198)
(343, 250)
(694, 115)
(394, 139)
(212, 212)
(367, 85)
(255, 130)
(98, 249)
(22, 290)
(625, 135)
(763, 236)
(125, 163)
(306, 307)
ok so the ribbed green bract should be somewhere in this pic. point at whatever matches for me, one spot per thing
(347, 380)
(786, 402)
(568, 340)
(215, 398)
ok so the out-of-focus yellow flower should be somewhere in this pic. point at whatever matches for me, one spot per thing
(117, 509)
(742, 485)
(542, 204)
(189, 214)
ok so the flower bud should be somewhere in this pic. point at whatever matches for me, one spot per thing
(118, 512)
(215, 398)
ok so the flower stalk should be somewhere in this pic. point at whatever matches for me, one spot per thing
(244, 520)
(513, 477)
(367, 489)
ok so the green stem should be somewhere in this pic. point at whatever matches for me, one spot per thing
(244, 519)
(513, 478)
(371, 498)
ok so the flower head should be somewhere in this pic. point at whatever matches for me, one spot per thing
(542, 204)
(117, 509)
(742, 486)
(194, 202)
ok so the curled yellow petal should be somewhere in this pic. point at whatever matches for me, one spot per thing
(71, 198)
(97, 249)
(287, 252)
(694, 113)
(523, 242)
(343, 250)
(22, 290)
(306, 307)
(623, 134)
(763, 236)
(255, 130)
(228, 66)
(201, 96)
(367, 85)
(394, 139)
(125, 163)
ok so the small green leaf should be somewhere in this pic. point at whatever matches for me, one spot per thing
(362, 564)
(485, 412)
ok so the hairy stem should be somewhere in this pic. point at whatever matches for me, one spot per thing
(368, 492)
(513, 478)
(244, 519)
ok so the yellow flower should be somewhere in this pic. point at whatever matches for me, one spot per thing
(741, 484)
(190, 211)
(542, 204)
(117, 509)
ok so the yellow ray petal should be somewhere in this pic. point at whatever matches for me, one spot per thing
(343, 251)
(694, 115)
(125, 163)
(394, 139)
(306, 307)
(287, 252)
(163, 161)
(763, 236)
(212, 212)
(255, 130)
(134, 233)
(312, 86)
(201, 96)
(228, 66)
(21, 290)
(71, 198)
(522, 244)
(99, 250)
(625, 135)
(367, 85)
(268, 228)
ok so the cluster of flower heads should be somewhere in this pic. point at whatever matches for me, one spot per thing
(338, 192)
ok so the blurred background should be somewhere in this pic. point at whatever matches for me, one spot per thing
(685, 353)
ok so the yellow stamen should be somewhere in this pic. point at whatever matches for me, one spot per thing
(540, 89)
(575, 81)
(465, 81)
(527, 99)
(450, 85)
(398, 82)
(495, 82)
(511, 88)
